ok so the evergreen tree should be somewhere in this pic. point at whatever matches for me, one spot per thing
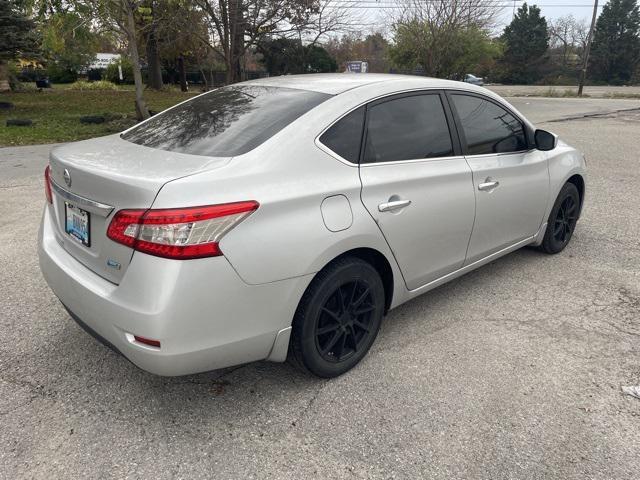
(615, 53)
(526, 41)
(17, 38)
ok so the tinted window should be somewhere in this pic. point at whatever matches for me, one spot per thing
(345, 135)
(225, 122)
(487, 127)
(407, 128)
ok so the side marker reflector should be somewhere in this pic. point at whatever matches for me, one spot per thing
(147, 341)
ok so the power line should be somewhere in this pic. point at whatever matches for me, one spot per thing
(387, 7)
(387, 3)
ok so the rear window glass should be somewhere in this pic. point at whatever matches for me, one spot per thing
(225, 122)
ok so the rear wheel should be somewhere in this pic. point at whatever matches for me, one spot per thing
(562, 220)
(338, 318)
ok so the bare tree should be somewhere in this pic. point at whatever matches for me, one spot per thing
(237, 25)
(582, 36)
(313, 25)
(434, 25)
(568, 36)
(562, 37)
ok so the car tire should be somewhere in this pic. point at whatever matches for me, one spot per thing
(338, 318)
(562, 220)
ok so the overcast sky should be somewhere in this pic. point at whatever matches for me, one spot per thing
(580, 9)
(372, 14)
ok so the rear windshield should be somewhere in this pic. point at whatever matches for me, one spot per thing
(225, 122)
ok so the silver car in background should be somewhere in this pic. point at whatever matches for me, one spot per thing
(283, 217)
(473, 80)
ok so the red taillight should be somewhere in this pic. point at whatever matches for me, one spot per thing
(147, 341)
(47, 184)
(180, 233)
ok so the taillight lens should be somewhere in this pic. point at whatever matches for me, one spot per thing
(180, 233)
(47, 184)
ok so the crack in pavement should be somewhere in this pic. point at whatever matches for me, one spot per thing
(309, 404)
(35, 388)
(14, 186)
(592, 115)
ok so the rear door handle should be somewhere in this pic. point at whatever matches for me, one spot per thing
(395, 205)
(488, 184)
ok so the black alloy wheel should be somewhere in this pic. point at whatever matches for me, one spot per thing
(562, 220)
(345, 320)
(338, 318)
(566, 219)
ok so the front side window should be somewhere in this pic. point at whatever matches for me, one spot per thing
(487, 127)
(407, 128)
(225, 122)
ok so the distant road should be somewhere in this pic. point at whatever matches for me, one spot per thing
(537, 90)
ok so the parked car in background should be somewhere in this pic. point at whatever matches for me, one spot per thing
(283, 217)
(473, 80)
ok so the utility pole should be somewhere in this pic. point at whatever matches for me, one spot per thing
(587, 48)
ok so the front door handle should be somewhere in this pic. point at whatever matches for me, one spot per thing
(395, 205)
(488, 184)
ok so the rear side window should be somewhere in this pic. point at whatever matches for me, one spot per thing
(487, 127)
(225, 122)
(345, 135)
(407, 128)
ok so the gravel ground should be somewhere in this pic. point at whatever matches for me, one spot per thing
(513, 371)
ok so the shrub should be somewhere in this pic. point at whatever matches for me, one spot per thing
(558, 80)
(95, 74)
(111, 72)
(58, 74)
(99, 85)
(30, 74)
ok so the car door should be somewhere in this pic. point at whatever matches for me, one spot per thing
(416, 184)
(511, 179)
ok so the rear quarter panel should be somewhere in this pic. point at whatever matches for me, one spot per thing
(290, 177)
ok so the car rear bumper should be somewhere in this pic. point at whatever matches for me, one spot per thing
(203, 314)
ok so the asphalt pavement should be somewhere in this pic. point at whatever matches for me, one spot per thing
(512, 371)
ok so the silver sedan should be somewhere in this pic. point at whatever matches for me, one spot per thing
(283, 217)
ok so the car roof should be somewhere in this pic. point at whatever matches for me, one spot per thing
(336, 83)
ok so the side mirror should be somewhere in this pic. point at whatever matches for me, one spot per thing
(545, 141)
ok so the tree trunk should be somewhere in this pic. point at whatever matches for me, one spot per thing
(183, 74)
(154, 79)
(236, 42)
(4, 77)
(142, 112)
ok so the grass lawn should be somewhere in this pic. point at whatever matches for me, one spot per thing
(56, 113)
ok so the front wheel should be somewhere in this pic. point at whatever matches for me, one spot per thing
(562, 220)
(338, 318)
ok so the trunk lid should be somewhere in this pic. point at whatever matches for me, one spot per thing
(104, 175)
